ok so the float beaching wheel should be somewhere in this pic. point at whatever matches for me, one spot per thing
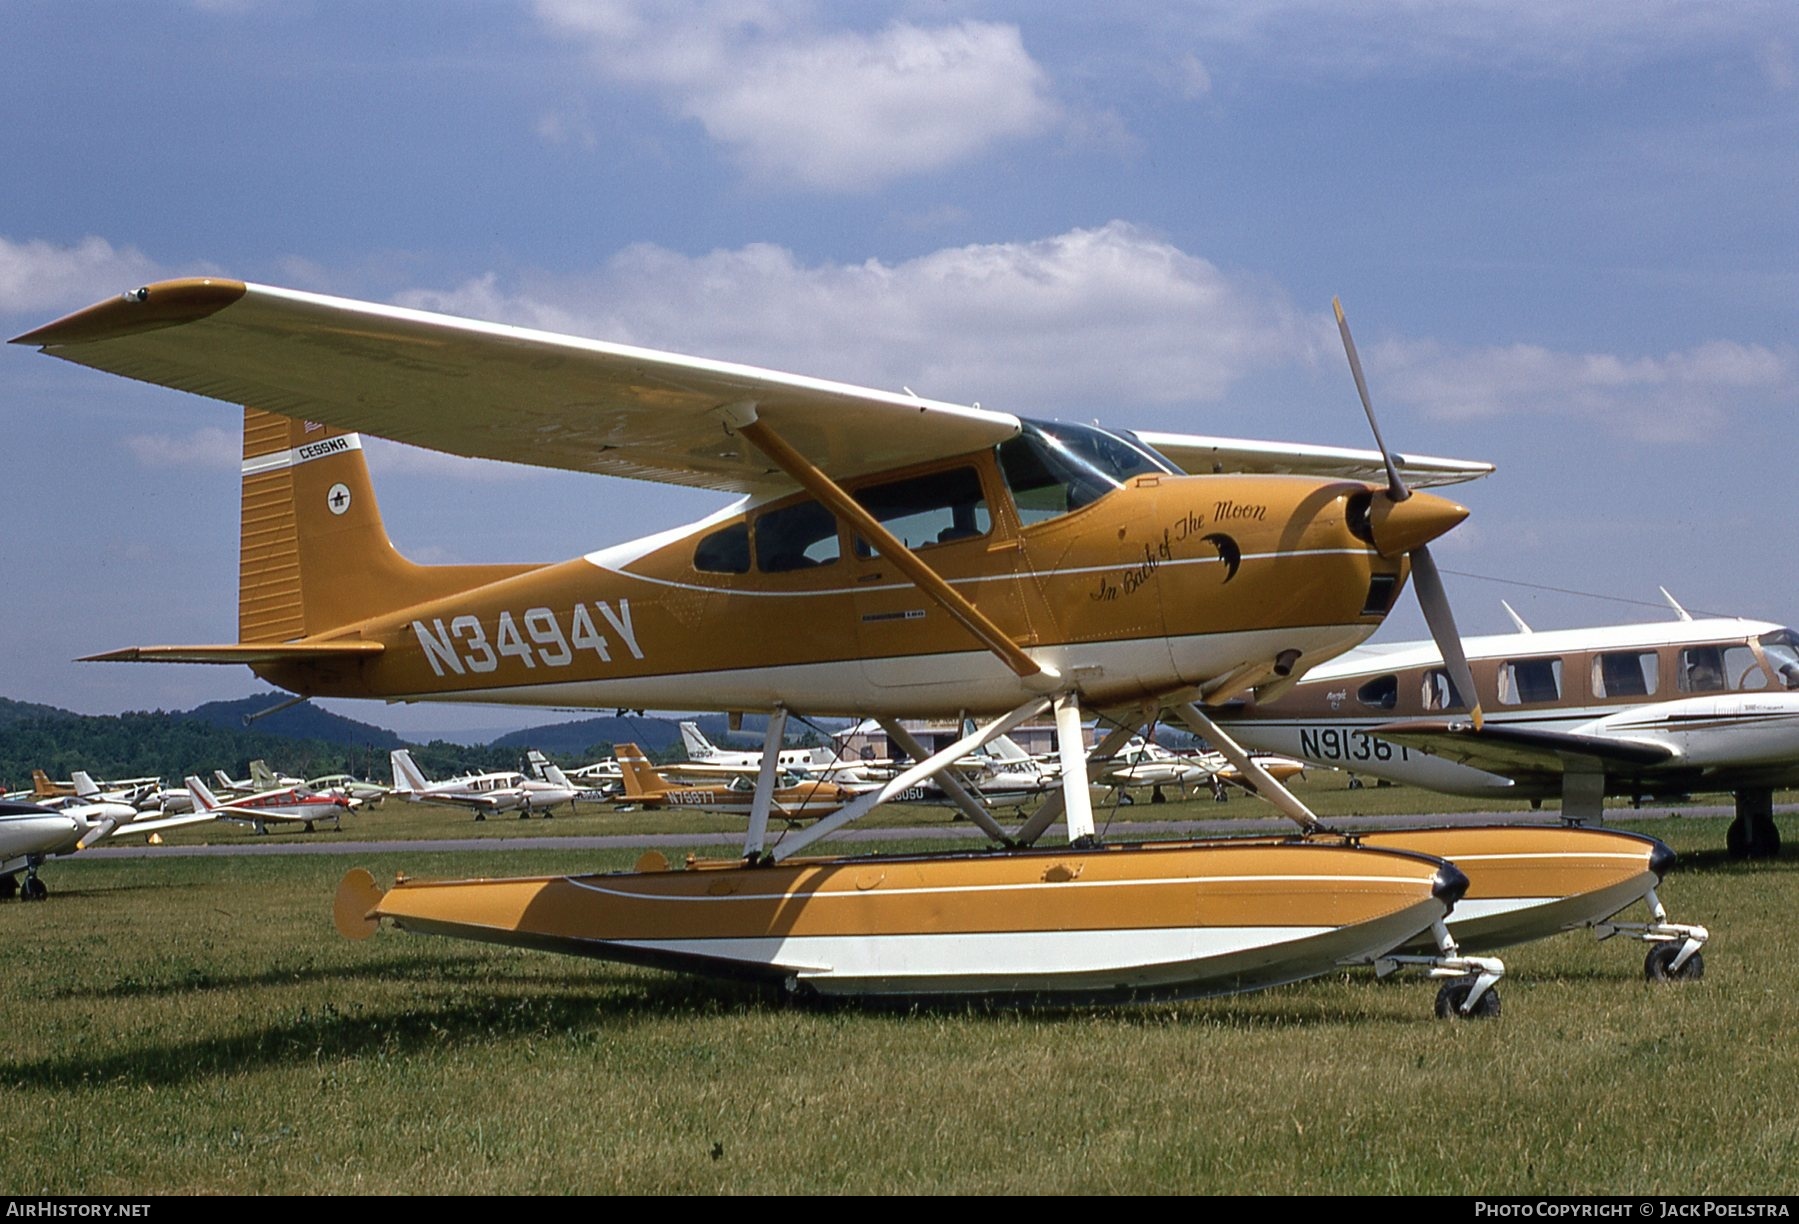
(1454, 996)
(1658, 966)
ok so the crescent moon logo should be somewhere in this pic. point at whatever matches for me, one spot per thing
(1228, 552)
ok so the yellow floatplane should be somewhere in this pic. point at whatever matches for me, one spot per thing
(890, 556)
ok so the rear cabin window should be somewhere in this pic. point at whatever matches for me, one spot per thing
(1625, 673)
(724, 552)
(936, 508)
(1438, 692)
(1529, 681)
(797, 537)
(1380, 693)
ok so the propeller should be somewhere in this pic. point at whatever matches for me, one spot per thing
(1403, 526)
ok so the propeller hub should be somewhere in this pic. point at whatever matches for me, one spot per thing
(1402, 526)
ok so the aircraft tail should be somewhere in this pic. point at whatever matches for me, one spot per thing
(43, 788)
(84, 785)
(262, 777)
(204, 800)
(224, 780)
(409, 779)
(640, 777)
(699, 748)
(313, 553)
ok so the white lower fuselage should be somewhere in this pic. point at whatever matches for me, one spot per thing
(1718, 742)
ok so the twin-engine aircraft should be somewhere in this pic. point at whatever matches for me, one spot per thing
(1639, 711)
(890, 556)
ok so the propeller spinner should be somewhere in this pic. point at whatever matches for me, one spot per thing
(1402, 523)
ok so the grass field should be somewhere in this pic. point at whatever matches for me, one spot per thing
(195, 1026)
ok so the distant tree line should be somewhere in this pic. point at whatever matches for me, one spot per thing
(171, 746)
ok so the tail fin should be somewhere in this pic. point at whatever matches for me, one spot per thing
(640, 777)
(408, 777)
(699, 748)
(224, 780)
(43, 788)
(262, 777)
(84, 785)
(204, 800)
(552, 773)
(313, 553)
(539, 764)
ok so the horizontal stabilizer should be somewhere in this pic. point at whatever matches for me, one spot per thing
(1509, 751)
(252, 653)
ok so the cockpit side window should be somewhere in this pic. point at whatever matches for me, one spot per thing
(1742, 672)
(1380, 693)
(1701, 669)
(1053, 467)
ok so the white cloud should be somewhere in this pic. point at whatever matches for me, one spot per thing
(1081, 323)
(1682, 396)
(39, 277)
(836, 109)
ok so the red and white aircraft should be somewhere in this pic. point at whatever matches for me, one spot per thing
(290, 806)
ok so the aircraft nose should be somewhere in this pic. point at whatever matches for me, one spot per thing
(1400, 527)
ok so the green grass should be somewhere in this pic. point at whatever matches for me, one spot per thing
(196, 1026)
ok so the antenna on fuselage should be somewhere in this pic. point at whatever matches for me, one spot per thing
(1674, 603)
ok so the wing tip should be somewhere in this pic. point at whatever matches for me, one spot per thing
(161, 304)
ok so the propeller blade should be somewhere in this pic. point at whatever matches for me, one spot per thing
(1435, 602)
(1395, 486)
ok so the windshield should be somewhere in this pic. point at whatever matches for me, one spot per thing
(1781, 649)
(1053, 467)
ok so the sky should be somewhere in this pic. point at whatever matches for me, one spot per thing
(1564, 233)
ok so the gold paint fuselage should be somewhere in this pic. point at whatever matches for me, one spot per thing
(1167, 583)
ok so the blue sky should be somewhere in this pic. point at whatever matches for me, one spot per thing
(1564, 233)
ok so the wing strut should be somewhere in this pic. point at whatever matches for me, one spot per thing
(952, 785)
(1264, 784)
(1050, 810)
(1076, 799)
(912, 776)
(742, 419)
(765, 783)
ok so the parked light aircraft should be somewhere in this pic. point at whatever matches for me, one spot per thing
(289, 806)
(551, 775)
(701, 751)
(497, 791)
(31, 833)
(893, 556)
(1576, 714)
(792, 799)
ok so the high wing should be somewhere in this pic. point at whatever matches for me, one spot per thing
(492, 391)
(1514, 751)
(1198, 454)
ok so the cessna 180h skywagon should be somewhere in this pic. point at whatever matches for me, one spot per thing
(890, 556)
